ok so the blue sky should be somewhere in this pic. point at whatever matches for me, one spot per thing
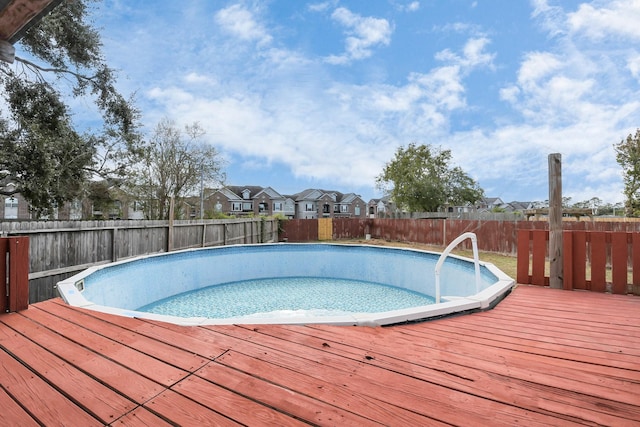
(319, 94)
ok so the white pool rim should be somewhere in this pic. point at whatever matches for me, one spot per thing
(70, 290)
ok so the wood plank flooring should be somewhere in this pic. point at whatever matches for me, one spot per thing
(541, 357)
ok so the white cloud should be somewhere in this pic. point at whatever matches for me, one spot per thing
(536, 66)
(413, 6)
(240, 22)
(200, 79)
(552, 18)
(633, 64)
(510, 94)
(363, 34)
(323, 6)
(618, 18)
(473, 54)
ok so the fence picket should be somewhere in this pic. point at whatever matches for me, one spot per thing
(18, 273)
(540, 239)
(568, 254)
(579, 264)
(524, 237)
(598, 261)
(636, 262)
(619, 259)
(4, 297)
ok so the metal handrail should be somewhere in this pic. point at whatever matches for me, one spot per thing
(448, 249)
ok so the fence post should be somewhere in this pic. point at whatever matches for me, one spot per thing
(114, 244)
(555, 221)
(18, 273)
(170, 229)
(635, 251)
(4, 296)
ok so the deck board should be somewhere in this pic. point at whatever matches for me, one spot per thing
(164, 352)
(541, 357)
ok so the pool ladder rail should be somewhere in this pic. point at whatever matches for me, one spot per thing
(447, 251)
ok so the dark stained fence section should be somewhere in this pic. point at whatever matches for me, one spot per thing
(299, 230)
(345, 228)
(493, 236)
(14, 271)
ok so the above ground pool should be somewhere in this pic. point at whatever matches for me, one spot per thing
(289, 283)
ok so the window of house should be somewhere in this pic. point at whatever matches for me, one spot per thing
(357, 211)
(75, 211)
(308, 207)
(336, 208)
(325, 208)
(263, 207)
(247, 206)
(11, 208)
(344, 208)
(236, 206)
(277, 206)
(246, 194)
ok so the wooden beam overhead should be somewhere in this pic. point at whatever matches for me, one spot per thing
(17, 16)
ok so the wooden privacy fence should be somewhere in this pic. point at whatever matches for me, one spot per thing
(493, 236)
(14, 270)
(599, 261)
(59, 249)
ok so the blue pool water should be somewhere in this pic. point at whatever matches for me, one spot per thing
(286, 296)
(286, 283)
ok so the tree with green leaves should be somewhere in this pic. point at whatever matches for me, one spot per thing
(628, 157)
(176, 164)
(43, 154)
(420, 179)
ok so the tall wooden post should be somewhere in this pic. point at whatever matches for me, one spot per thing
(555, 221)
(170, 230)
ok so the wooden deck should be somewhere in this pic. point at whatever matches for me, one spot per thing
(541, 357)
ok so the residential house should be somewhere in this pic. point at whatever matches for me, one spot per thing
(518, 206)
(249, 200)
(382, 208)
(458, 209)
(488, 204)
(15, 207)
(316, 203)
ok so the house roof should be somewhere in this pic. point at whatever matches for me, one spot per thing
(239, 189)
(349, 198)
(520, 205)
(270, 192)
(308, 194)
(316, 194)
(492, 200)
